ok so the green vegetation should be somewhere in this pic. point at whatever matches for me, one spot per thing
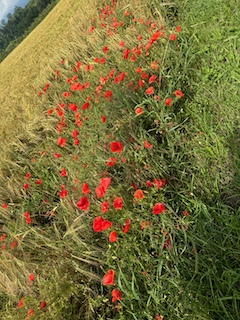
(109, 153)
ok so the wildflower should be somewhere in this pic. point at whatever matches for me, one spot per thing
(100, 191)
(116, 295)
(63, 194)
(116, 146)
(149, 183)
(63, 173)
(104, 207)
(179, 93)
(121, 43)
(139, 194)
(185, 213)
(113, 236)
(159, 208)
(168, 101)
(127, 226)
(102, 60)
(43, 304)
(20, 305)
(97, 224)
(85, 188)
(124, 160)
(105, 49)
(147, 144)
(178, 29)
(85, 105)
(106, 225)
(173, 36)
(62, 141)
(152, 78)
(139, 111)
(108, 279)
(76, 142)
(26, 214)
(145, 224)
(159, 183)
(111, 162)
(57, 155)
(154, 65)
(103, 119)
(39, 181)
(150, 91)
(31, 277)
(75, 133)
(126, 53)
(83, 203)
(26, 186)
(118, 203)
(139, 70)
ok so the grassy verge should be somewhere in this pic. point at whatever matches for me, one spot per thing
(123, 152)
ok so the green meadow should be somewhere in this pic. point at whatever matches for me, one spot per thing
(120, 163)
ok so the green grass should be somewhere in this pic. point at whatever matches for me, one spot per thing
(178, 267)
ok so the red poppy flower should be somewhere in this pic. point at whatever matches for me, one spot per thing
(100, 191)
(154, 65)
(20, 305)
(97, 224)
(179, 94)
(178, 29)
(26, 214)
(127, 226)
(62, 141)
(185, 213)
(63, 194)
(118, 203)
(139, 194)
(149, 183)
(104, 207)
(168, 101)
(26, 186)
(103, 119)
(126, 53)
(43, 304)
(150, 91)
(159, 183)
(75, 133)
(63, 173)
(105, 183)
(39, 181)
(121, 43)
(116, 295)
(85, 105)
(108, 279)
(139, 70)
(159, 208)
(31, 277)
(139, 111)
(85, 188)
(113, 236)
(83, 203)
(106, 225)
(102, 60)
(116, 146)
(57, 155)
(111, 162)
(152, 78)
(147, 144)
(173, 36)
(76, 142)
